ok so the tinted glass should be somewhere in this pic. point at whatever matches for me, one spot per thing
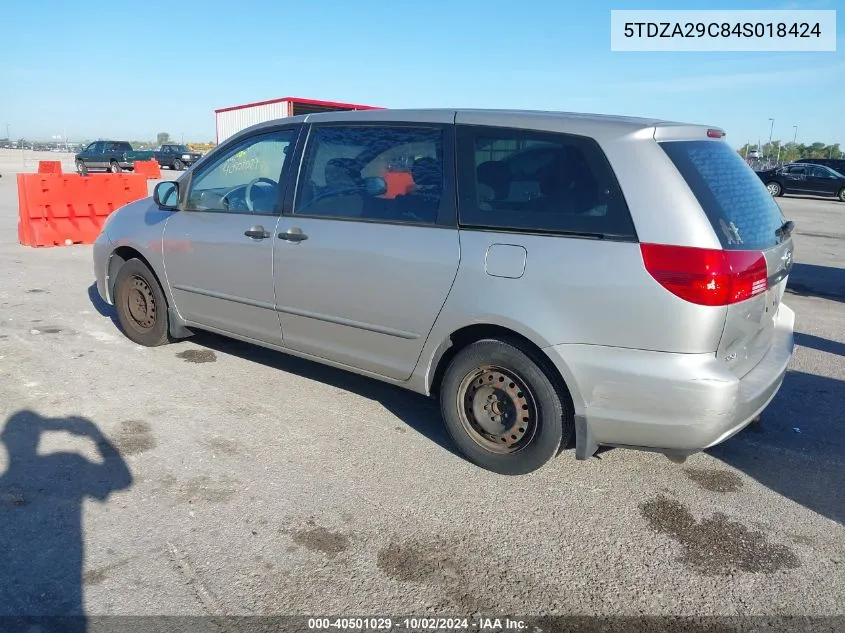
(389, 173)
(743, 213)
(537, 181)
(245, 179)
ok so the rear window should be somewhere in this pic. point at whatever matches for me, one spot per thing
(741, 210)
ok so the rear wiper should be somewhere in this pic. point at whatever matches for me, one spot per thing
(785, 230)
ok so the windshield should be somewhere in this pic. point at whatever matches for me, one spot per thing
(180, 148)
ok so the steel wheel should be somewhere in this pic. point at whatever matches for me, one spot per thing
(141, 304)
(114, 168)
(774, 188)
(497, 409)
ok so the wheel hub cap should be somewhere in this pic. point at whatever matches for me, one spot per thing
(141, 303)
(497, 409)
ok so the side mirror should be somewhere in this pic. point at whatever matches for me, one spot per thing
(166, 195)
(375, 186)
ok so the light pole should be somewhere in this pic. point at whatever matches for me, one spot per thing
(771, 129)
(795, 136)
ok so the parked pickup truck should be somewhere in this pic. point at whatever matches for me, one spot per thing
(176, 156)
(113, 156)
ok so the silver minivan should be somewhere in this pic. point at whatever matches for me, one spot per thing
(552, 278)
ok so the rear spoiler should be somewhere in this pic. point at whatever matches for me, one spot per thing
(681, 132)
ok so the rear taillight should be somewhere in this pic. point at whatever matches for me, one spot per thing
(708, 277)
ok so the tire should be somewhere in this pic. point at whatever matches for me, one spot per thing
(528, 388)
(774, 188)
(841, 194)
(81, 168)
(141, 305)
(114, 167)
(177, 165)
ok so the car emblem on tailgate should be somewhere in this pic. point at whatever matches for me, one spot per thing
(787, 259)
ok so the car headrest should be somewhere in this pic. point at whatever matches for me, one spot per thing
(496, 175)
(426, 172)
(342, 172)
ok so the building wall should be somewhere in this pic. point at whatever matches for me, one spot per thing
(231, 122)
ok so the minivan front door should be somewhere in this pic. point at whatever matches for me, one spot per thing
(362, 270)
(218, 249)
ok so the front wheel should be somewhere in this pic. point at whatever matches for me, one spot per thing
(841, 194)
(774, 188)
(178, 165)
(81, 168)
(503, 408)
(141, 305)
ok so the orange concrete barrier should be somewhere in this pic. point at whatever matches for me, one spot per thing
(62, 209)
(149, 168)
(49, 166)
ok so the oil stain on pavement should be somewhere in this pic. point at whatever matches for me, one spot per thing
(135, 437)
(197, 356)
(201, 488)
(716, 546)
(319, 539)
(99, 575)
(411, 560)
(714, 480)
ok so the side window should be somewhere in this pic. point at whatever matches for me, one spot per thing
(798, 170)
(387, 173)
(538, 181)
(245, 178)
(819, 172)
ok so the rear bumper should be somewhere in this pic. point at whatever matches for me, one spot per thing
(675, 403)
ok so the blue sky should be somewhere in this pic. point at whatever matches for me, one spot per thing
(133, 69)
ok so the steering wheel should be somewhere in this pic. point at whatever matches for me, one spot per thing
(252, 183)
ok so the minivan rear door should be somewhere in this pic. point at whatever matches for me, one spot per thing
(745, 217)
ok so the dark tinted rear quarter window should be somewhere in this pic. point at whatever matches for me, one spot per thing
(540, 182)
(743, 213)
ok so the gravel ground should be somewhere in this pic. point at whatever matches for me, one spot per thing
(210, 477)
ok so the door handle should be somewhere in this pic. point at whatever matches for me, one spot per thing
(293, 234)
(257, 232)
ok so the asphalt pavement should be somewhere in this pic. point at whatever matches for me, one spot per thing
(210, 477)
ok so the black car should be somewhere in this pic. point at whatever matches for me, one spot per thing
(836, 164)
(804, 178)
(176, 156)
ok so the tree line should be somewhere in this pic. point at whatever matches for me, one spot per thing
(791, 151)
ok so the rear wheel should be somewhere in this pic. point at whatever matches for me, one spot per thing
(774, 188)
(177, 165)
(502, 407)
(141, 305)
(114, 167)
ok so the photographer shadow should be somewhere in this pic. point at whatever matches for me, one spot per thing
(41, 538)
